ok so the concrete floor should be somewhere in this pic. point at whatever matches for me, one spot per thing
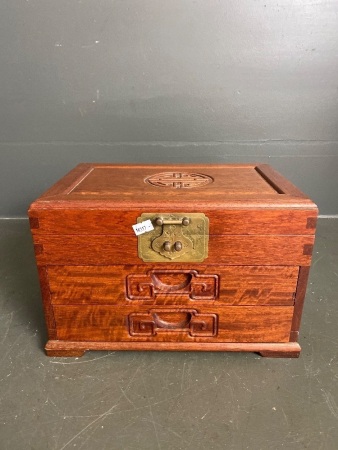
(150, 400)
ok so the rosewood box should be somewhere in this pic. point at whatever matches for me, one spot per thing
(161, 257)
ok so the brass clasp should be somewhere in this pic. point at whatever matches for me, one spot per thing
(184, 221)
(176, 236)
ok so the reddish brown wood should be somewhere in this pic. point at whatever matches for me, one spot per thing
(233, 324)
(152, 285)
(52, 350)
(38, 250)
(46, 301)
(237, 250)
(294, 335)
(278, 182)
(67, 348)
(308, 249)
(276, 353)
(34, 223)
(299, 302)
(117, 186)
(111, 221)
(311, 223)
(243, 297)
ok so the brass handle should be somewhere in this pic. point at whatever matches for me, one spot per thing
(184, 221)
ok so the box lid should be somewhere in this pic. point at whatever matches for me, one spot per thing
(148, 188)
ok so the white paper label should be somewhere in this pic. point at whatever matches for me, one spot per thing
(143, 227)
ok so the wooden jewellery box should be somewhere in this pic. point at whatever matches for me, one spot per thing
(220, 261)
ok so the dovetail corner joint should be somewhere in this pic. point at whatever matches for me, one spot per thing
(38, 248)
(34, 223)
(307, 250)
(311, 223)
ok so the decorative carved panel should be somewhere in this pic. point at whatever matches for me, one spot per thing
(157, 321)
(172, 282)
(179, 180)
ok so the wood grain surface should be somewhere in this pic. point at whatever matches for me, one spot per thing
(234, 324)
(247, 295)
(230, 250)
(153, 285)
(299, 302)
(126, 186)
(110, 221)
(46, 302)
(78, 348)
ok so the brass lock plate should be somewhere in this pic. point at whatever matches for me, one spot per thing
(177, 237)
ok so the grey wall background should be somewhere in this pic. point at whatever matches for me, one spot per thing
(175, 81)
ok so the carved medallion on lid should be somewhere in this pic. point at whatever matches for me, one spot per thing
(179, 180)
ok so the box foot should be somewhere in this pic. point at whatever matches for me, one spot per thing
(64, 353)
(278, 354)
(60, 350)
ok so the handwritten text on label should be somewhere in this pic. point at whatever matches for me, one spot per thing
(143, 227)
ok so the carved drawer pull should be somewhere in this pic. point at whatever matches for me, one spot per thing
(152, 322)
(172, 282)
(184, 321)
(161, 286)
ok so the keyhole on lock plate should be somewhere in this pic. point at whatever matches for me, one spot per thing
(177, 246)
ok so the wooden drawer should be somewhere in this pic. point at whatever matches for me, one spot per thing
(177, 285)
(161, 324)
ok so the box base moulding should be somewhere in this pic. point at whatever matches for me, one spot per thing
(272, 350)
